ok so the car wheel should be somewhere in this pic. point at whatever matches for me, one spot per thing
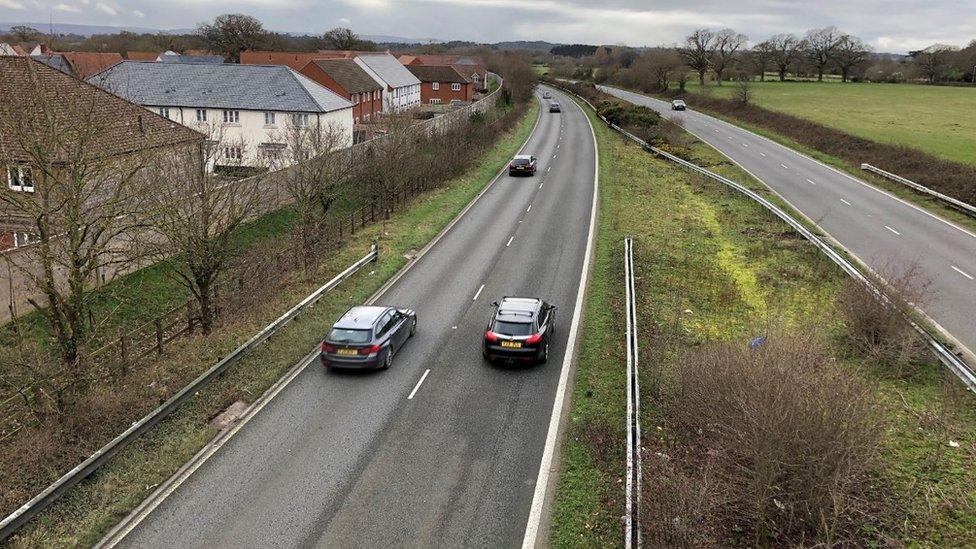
(388, 361)
(545, 353)
(413, 327)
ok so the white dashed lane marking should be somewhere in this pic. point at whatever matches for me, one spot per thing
(962, 272)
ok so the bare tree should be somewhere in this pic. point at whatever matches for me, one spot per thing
(75, 164)
(786, 50)
(232, 33)
(193, 217)
(314, 170)
(760, 57)
(341, 38)
(23, 33)
(727, 46)
(933, 61)
(850, 53)
(699, 52)
(821, 45)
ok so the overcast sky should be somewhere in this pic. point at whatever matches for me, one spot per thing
(888, 25)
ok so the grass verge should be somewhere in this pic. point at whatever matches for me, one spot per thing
(713, 266)
(87, 512)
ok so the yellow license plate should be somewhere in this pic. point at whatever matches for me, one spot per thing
(512, 344)
(347, 351)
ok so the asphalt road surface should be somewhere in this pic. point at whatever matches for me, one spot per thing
(348, 460)
(886, 233)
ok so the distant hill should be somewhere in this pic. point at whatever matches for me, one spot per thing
(81, 30)
(534, 45)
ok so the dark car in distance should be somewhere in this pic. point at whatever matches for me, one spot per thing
(519, 330)
(554, 107)
(367, 337)
(522, 164)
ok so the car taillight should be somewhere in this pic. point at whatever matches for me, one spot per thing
(533, 339)
(326, 348)
(491, 337)
(369, 350)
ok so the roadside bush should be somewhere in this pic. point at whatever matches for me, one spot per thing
(787, 434)
(880, 330)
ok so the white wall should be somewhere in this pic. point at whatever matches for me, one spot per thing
(403, 98)
(251, 131)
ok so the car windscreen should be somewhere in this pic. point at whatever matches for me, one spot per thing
(521, 161)
(343, 335)
(512, 328)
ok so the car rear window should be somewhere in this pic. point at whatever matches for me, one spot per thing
(342, 335)
(521, 162)
(512, 328)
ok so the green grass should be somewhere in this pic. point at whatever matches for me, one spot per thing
(940, 120)
(713, 265)
(87, 512)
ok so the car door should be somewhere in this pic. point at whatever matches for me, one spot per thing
(400, 328)
(383, 335)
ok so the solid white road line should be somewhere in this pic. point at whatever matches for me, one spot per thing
(476, 294)
(419, 383)
(531, 537)
(845, 202)
(510, 241)
(892, 230)
(962, 272)
(810, 181)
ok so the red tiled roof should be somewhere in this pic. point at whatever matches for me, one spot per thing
(48, 103)
(142, 55)
(85, 63)
(437, 73)
(295, 60)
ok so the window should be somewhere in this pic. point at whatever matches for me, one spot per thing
(456, 87)
(201, 115)
(232, 117)
(233, 153)
(436, 86)
(19, 178)
(269, 119)
(300, 119)
(164, 111)
(23, 239)
(435, 101)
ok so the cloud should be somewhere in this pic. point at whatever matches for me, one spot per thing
(105, 8)
(11, 4)
(344, 20)
(139, 14)
(66, 7)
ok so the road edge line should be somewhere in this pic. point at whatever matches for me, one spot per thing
(540, 510)
(148, 505)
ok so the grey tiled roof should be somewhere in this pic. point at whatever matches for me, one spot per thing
(191, 59)
(55, 61)
(389, 69)
(218, 86)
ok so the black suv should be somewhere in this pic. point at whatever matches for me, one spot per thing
(520, 329)
(368, 337)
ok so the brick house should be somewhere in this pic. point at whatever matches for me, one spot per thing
(41, 119)
(442, 85)
(473, 68)
(80, 64)
(346, 78)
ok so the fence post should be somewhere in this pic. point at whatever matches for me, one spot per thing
(159, 336)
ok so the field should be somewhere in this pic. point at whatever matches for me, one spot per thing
(713, 266)
(935, 119)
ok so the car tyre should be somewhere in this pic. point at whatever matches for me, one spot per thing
(413, 327)
(545, 354)
(388, 361)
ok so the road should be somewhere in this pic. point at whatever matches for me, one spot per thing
(350, 460)
(885, 232)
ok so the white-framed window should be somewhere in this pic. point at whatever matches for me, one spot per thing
(232, 117)
(23, 239)
(164, 112)
(20, 178)
(269, 119)
(233, 153)
(201, 115)
(435, 101)
(300, 119)
(436, 86)
(456, 87)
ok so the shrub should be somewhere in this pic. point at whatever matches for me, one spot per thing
(787, 433)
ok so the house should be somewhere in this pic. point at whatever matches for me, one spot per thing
(80, 64)
(348, 79)
(401, 88)
(11, 49)
(442, 85)
(248, 110)
(473, 68)
(40, 120)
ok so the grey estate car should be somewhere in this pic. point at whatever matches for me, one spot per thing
(368, 337)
